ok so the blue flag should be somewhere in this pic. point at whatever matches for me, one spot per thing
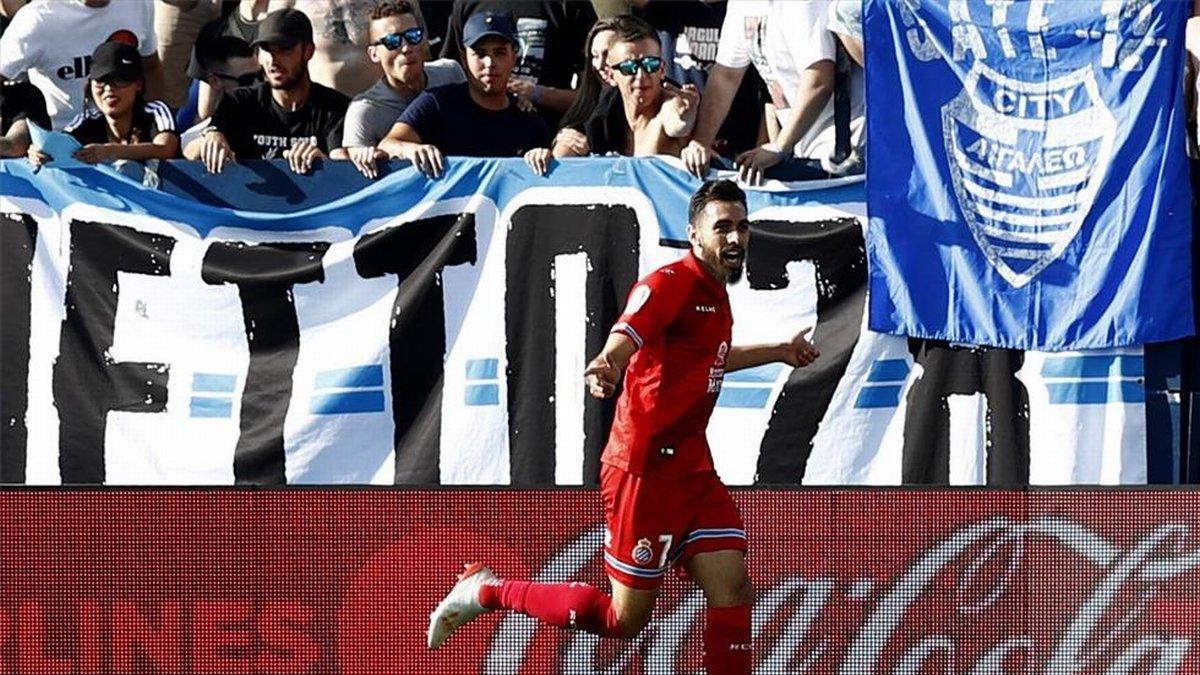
(1027, 172)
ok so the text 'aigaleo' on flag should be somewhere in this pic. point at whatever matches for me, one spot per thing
(1027, 181)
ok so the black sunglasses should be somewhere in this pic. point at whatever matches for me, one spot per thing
(247, 80)
(649, 64)
(116, 81)
(394, 41)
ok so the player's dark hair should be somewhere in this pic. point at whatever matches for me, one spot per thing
(386, 8)
(631, 29)
(714, 191)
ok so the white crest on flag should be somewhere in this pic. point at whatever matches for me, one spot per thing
(1026, 159)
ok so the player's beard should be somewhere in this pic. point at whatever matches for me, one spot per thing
(733, 266)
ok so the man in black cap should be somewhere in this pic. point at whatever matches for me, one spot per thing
(287, 116)
(475, 119)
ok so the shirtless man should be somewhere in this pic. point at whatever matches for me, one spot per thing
(645, 116)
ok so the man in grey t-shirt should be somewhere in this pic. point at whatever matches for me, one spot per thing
(397, 43)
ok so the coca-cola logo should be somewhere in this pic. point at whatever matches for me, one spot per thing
(999, 595)
(849, 582)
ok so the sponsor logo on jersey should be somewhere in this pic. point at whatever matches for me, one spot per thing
(716, 373)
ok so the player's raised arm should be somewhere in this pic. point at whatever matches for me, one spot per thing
(604, 372)
(798, 352)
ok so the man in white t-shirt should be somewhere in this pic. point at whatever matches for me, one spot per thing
(51, 42)
(790, 46)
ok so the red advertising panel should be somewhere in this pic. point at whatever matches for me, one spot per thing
(342, 581)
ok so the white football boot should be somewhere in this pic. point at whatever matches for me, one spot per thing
(460, 605)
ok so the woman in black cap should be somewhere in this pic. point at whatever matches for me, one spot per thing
(117, 122)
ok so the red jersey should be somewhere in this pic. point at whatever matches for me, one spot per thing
(679, 317)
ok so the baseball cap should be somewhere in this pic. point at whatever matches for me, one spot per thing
(284, 27)
(489, 24)
(116, 59)
(213, 46)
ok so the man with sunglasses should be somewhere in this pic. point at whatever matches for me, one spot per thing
(646, 115)
(219, 64)
(476, 119)
(397, 43)
(287, 116)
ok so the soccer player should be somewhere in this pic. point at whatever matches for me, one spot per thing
(664, 505)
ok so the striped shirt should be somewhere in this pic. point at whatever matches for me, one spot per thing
(151, 120)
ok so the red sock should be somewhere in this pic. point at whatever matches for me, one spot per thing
(727, 648)
(572, 605)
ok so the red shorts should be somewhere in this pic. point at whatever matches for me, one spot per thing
(654, 523)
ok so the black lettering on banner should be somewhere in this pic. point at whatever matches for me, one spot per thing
(838, 253)
(609, 237)
(416, 253)
(265, 274)
(18, 240)
(87, 382)
(966, 371)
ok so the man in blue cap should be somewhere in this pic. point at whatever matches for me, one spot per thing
(476, 119)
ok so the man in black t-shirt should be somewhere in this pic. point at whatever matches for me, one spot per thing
(287, 116)
(475, 119)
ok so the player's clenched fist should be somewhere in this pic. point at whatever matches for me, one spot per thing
(601, 377)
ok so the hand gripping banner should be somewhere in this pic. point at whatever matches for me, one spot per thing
(1033, 191)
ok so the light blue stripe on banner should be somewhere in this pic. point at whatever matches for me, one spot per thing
(205, 406)
(1094, 366)
(879, 397)
(347, 402)
(888, 370)
(482, 369)
(342, 378)
(766, 373)
(1132, 392)
(743, 397)
(1092, 393)
(482, 394)
(214, 382)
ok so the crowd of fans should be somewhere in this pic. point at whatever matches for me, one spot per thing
(747, 82)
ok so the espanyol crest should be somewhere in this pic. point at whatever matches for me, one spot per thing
(1026, 159)
(642, 553)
